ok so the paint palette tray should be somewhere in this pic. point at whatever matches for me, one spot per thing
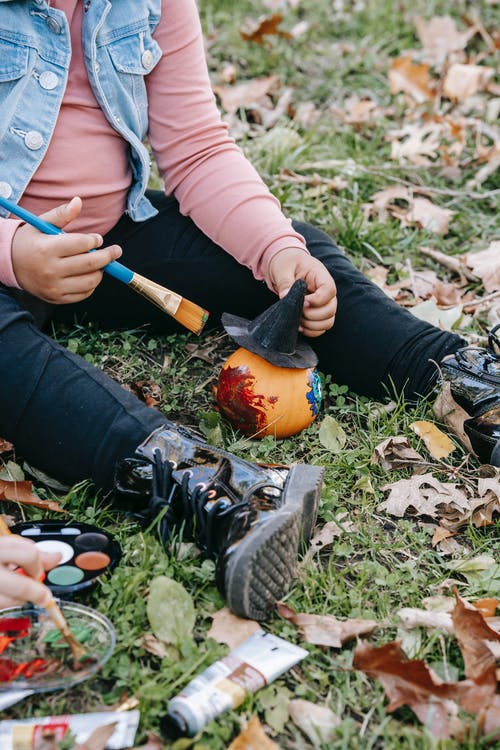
(87, 552)
(34, 655)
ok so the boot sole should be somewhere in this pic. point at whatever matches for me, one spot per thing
(259, 572)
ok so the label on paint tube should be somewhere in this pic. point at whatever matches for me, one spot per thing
(27, 733)
(253, 664)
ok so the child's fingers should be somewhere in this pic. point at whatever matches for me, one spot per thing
(23, 588)
(21, 552)
(50, 559)
(63, 214)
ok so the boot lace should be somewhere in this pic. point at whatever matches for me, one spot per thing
(494, 341)
(198, 510)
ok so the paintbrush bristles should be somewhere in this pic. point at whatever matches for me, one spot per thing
(191, 316)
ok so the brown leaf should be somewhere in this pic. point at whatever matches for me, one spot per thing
(246, 94)
(152, 645)
(427, 215)
(395, 453)
(20, 492)
(230, 629)
(487, 607)
(413, 617)
(426, 495)
(324, 537)
(326, 630)
(253, 738)
(317, 722)
(5, 446)
(473, 633)
(419, 211)
(462, 81)
(437, 443)
(486, 265)
(452, 415)
(265, 26)
(440, 533)
(154, 742)
(99, 738)
(411, 78)
(440, 37)
(410, 683)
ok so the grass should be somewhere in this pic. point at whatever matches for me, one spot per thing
(383, 564)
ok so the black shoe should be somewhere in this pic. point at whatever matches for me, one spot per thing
(250, 519)
(474, 377)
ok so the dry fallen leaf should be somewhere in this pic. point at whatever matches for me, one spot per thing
(440, 37)
(317, 722)
(462, 81)
(154, 742)
(409, 682)
(5, 446)
(412, 617)
(473, 633)
(452, 415)
(264, 26)
(437, 443)
(426, 495)
(326, 630)
(253, 738)
(324, 537)
(230, 629)
(419, 211)
(396, 453)
(411, 78)
(487, 607)
(245, 94)
(20, 492)
(486, 265)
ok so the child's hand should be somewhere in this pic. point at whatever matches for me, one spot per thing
(320, 304)
(15, 551)
(58, 268)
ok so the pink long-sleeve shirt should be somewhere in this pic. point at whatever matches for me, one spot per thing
(200, 164)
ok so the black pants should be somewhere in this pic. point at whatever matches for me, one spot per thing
(73, 422)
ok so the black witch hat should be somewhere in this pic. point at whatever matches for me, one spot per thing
(274, 334)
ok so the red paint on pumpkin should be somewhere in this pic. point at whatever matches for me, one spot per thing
(243, 407)
(261, 399)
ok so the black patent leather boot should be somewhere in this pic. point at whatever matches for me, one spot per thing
(249, 519)
(474, 377)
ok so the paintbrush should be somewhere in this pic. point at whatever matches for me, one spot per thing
(191, 316)
(56, 615)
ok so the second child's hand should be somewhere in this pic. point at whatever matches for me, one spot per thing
(320, 304)
(59, 268)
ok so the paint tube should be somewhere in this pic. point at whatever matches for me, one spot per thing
(250, 666)
(27, 734)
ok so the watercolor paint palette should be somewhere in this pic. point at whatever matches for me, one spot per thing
(86, 553)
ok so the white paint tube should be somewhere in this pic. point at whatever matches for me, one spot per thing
(250, 666)
(25, 734)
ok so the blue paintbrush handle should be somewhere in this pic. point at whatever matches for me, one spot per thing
(115, 269)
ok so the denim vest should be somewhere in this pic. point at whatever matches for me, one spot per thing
(35, 52)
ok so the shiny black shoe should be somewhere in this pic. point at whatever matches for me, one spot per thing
(250, 519)
(474, 377)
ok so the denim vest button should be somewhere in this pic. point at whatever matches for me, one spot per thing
(33, 140)
(48, 80)
(147, 59)
(53, 24)
(5, 189)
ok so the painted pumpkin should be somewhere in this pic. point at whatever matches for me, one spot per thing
(262, 399)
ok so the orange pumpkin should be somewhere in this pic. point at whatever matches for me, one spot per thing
(262, 399)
